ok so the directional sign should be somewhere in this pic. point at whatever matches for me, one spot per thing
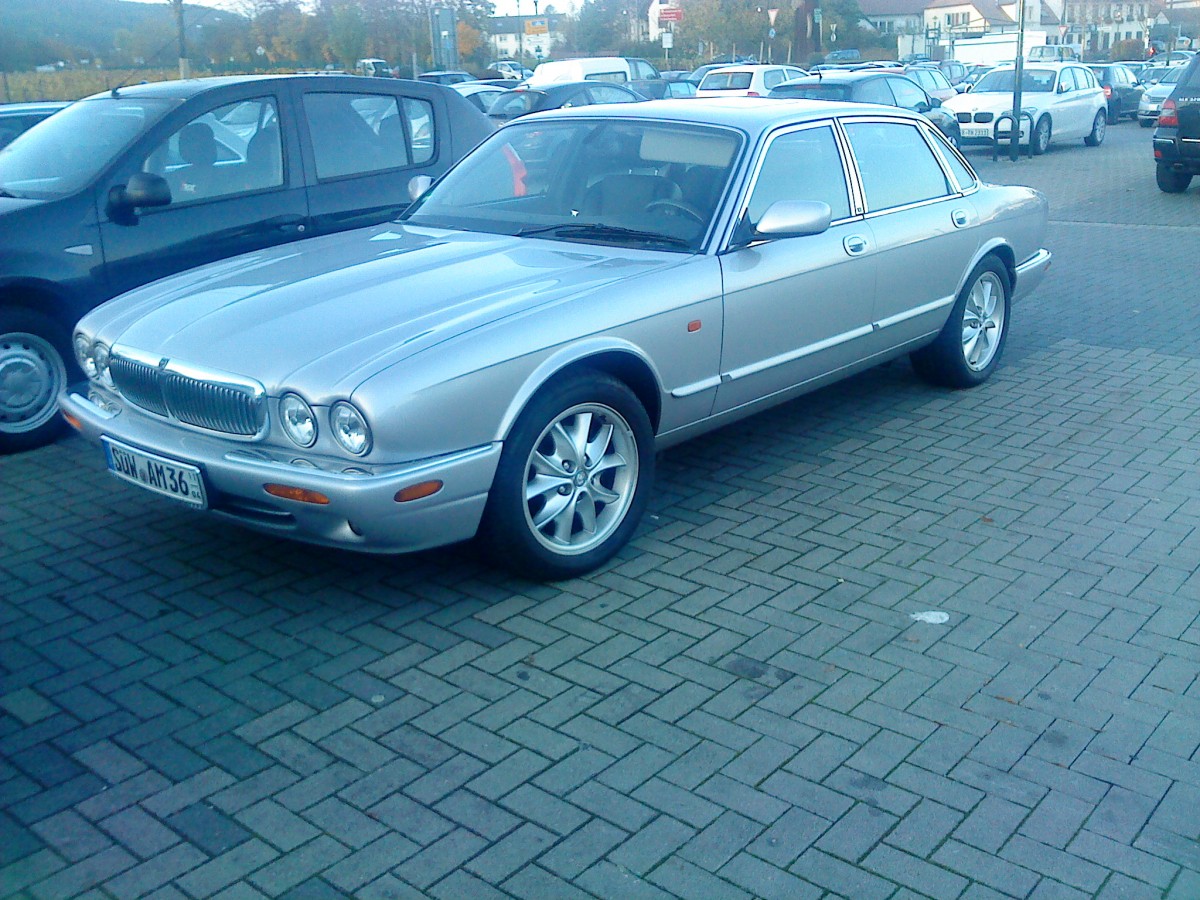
(670, 14)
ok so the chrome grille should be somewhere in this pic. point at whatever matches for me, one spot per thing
(218, 403)
(138, 383)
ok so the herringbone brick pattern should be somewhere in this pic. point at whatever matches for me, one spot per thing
(740, 706)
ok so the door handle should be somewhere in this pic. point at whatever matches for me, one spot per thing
(960, 218)
(855, 244)
(289, 224)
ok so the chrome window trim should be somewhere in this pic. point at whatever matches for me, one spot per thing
(751, 182)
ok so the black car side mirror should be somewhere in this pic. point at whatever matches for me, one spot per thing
(143, 190)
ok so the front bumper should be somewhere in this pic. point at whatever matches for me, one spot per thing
(362, 512)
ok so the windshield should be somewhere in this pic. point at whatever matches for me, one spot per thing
(629, 182)
(813, 91)
(1034, 81)
(725, 81)
(67, 150)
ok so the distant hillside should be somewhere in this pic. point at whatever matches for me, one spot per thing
(34, 32)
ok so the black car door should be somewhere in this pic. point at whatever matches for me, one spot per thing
(230, 157)
(363, 141)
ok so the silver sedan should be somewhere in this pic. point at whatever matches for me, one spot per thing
(585, 288)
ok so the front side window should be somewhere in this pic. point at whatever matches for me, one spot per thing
(801, 165)
(895, 163)
(229, 150)
(358, 134)
(876, 91)
(71, 148)
(634, 183)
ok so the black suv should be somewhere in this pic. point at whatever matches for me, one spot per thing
(1177, 137)
(141, 182)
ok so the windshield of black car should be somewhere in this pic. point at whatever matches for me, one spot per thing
(66, 151)
(1033, 81)
(641, 183)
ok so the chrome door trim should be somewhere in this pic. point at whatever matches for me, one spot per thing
(792, 355)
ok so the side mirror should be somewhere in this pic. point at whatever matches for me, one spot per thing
(417, 186)
(794, 218)
(934, 102)
(1063, 88)
(963, 86)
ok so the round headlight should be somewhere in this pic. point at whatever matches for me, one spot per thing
(350, 428)
(83, 354)
(298, 420)
(100, 356)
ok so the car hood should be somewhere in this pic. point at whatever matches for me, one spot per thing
(993, 102)
(324, 315)
(12, 204)
(1159, 91)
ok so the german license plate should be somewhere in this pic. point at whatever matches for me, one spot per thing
(976, 132)
(156, 473)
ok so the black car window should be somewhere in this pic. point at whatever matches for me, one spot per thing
(908, 95)
(418, 116)
(1191, 78)
(884, 149)
(607, 93)
(232, 149)
(875, 90)
(801, 165)
(355, 134)
(576, 98)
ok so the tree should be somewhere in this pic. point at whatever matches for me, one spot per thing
(348, 34)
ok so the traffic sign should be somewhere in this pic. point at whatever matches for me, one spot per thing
(670, 14)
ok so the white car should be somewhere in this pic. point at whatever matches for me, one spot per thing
(1063, 101)
(746, 81)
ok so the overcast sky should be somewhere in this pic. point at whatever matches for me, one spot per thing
(503, 7)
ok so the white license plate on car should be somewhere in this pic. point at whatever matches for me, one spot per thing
(156, 473)
(976, 132)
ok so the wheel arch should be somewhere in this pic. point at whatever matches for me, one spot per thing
(620, 359)
(999, 249)
(41, 297)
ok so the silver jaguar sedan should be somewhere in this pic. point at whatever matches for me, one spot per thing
(585, 288)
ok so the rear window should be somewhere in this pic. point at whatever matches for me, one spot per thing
(813, 91)
(1191, 77)
(725, 81)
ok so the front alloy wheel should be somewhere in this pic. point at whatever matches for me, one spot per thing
(572, 479)
(33, 370)
(1041, 136)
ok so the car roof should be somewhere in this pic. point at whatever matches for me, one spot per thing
(13, 109)
(753, 115)
(191, 87)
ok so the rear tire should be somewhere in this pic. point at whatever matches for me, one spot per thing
(1114, 114)
(35, 360)
(969, 346)
(1099, 129)
(1171, 182)
(1145, 123)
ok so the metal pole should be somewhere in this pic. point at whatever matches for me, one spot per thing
(184, 64)
(1014, 144)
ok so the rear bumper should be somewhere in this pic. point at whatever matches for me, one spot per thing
(1030, 273)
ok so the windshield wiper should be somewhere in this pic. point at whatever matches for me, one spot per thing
(599, 231)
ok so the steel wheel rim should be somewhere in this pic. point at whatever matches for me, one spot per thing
(31, 376)
(983, 321)
(580, 479)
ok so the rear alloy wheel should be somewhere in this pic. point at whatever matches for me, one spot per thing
(1170, 181)
(33, 370)
(1099, 129)
(968, 348)
(1041, 136)
(572, 480)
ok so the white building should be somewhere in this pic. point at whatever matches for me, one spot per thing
(527, 38)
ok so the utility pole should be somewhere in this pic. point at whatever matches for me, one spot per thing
(1014, 145)
(185, 67)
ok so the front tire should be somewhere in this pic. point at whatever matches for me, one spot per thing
(573, 479)
(968, 348)
(34, 360)
(1099, 129)
(1041, 136)
(1170, 181)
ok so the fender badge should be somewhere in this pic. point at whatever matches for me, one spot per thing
(79, 250)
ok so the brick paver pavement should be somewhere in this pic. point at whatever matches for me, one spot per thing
(740, 706)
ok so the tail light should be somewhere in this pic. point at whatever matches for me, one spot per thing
(1169, 115)
(753, 94)
(1108, 92)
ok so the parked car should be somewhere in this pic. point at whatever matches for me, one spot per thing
(698, 73)
(376, 68)
(838, 56)
(524, 100)
(931, 80)
(886, 88)
(481, 93)
(17, 118)
(1121, 88)
(511, 69)
(447, 77)
(1136, 66)
(978, 71)
(1064, 100)
(746, 80)
(597, 68)
(954, 70)
(133, 184)
(1152, 100)
(1177, 137)
(583, 290)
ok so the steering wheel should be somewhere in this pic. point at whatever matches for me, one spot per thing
(676, 207)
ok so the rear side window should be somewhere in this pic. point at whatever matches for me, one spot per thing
(875, 91)
(356, 134)
(896, 165)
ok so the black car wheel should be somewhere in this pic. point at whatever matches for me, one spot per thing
(34, 365)
(1114, 112)
(1170, 181)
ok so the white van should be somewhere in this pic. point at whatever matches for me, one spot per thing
(595, 68)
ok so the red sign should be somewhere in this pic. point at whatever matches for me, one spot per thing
(670, 14)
